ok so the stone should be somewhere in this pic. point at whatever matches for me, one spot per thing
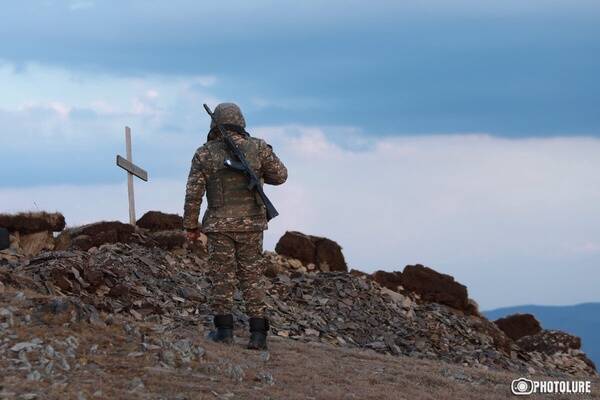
(435, 287)
(169, 240)
(297, 245)
(136, 384)
(168, 357)
(330, 253)
(34, 376)
(359, 274)
(518, 325)
(295, 264)
(273, 269)
(236, 373)
(159, 221)
(63, 241)
(324, 253)
(34, 243)
(265, 377)
(33, 222)
(156, 293)
(390, 280)
(94, 235)
(549, 342)
(24, 346)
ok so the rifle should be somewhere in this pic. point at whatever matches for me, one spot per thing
(243, 166)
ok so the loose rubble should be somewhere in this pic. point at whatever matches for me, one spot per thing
(171, 289)
(157, 293)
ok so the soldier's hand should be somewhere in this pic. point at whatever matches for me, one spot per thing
(192, 234)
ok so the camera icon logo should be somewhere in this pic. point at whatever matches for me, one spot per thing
(521, 387)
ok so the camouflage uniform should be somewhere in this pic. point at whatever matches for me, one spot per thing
(236, 218)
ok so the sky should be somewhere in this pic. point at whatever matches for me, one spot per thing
(462, 135)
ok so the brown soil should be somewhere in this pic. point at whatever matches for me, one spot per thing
(120, 368)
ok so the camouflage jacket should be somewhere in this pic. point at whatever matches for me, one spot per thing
(208, 175)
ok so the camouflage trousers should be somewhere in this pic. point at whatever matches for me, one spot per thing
(236, 257)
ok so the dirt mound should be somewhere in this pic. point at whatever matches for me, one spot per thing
(435, 287)
(33, 222)
(324, 253)
(390, 280)
(518, 325)
(159, 221)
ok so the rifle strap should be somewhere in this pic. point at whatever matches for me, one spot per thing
(231, 127)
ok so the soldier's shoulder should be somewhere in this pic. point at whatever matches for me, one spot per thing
(203, 152)
(211, 146)
(260, 143)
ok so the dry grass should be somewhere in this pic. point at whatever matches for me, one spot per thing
(300, 371)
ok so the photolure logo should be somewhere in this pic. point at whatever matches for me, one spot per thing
(524, 387)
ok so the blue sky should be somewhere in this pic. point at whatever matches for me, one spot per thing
(480, 120)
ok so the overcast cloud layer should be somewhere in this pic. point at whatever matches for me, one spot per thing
(508, 67)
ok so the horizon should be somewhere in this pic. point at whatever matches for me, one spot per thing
(463, 137)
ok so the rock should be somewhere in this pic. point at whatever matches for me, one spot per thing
(393, 295)
(159, 221)
(99, 233)
(119, 291)
(329, 253)
(549, 342)
(558, 347)
(236, 373)
(169, 240)
(272, 269)
(136, 384)
(324, 253)
(63, 241)
(265, 377)
(359, 274)
(518, 325)
(33, 222)
(152, 293)
(295, 264)
(34, 376)
(390, 280)
(25, 346)
(435, 287)
(473, 308)
(33, 243)
(297, 245)
(168, 357)
(57, 311)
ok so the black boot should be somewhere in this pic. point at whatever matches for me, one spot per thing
(224, 331)
(259, 327)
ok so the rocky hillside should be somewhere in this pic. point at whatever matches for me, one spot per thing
(581, 319)
(132, 303)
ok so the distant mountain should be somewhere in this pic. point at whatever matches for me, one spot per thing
(582, 320)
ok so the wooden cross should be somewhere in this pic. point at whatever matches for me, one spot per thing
(132, 169)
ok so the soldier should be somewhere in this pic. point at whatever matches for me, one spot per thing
(234, 221)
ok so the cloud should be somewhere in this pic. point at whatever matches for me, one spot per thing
(444, 67)
(502, 216)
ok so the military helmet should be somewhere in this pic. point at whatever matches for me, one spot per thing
(228, 113)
